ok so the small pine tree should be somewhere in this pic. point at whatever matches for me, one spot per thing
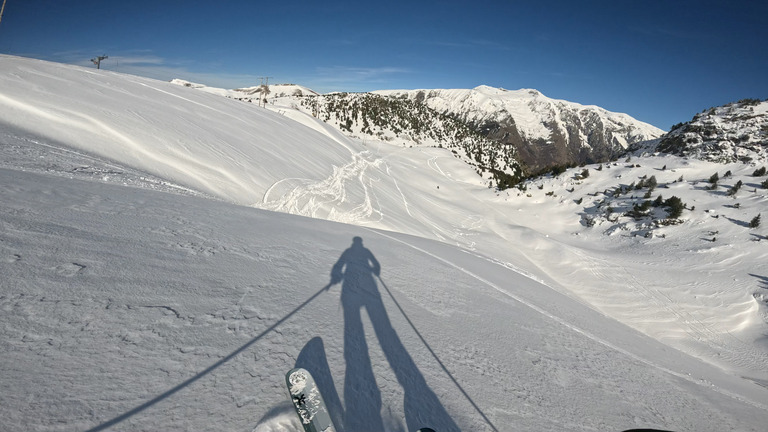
(714, 178)
(732, 191)
(764, 184)
(585, 173)
(652, 183)
(755, 222)
(759, 172)
(674, 206)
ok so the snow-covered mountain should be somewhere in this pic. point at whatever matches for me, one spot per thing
(736, 131)
(545, 132)
(152, 280)
(503, 134)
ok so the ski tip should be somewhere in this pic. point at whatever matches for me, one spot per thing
(425, 430)
(294, 370)
(297, 379)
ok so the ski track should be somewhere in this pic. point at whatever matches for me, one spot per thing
(576, 329)
(321, 199)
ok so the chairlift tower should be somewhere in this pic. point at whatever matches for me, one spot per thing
(97, 60)
(264, 90)
(2, 9)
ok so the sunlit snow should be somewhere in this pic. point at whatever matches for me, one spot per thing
(152, 278)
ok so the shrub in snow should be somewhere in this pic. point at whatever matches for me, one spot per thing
(755, 222)
(559, 169)
(652, 183)
(759, 172)
(732, 191)
(674, 207)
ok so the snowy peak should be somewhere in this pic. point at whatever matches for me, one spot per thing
(736, 131)
(545, 131)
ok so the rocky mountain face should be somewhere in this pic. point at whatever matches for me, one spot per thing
(544, 132)
(733, 132)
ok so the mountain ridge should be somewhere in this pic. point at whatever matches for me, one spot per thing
(539, 132)
(727, 133)
(545, 132)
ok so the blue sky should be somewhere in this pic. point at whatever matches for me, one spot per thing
(659, 61)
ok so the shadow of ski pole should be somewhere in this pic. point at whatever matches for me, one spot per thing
(210, 369)
(445, 369)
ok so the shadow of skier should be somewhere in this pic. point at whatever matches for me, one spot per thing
(356, 269)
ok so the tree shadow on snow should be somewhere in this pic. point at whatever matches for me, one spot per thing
(357, 270)
(738, 222)
(763, 280)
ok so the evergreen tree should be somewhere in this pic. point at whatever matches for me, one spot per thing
(674, 206)
(732, 191)
(651, 183)
(755, 222)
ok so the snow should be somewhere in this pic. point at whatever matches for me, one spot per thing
(149, 284)
(530, 109)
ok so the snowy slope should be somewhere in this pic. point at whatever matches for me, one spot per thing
(182, 135)
(251, 94)
(136, 310)
(147, 310)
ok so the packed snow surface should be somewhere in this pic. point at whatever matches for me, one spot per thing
(152, 278)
